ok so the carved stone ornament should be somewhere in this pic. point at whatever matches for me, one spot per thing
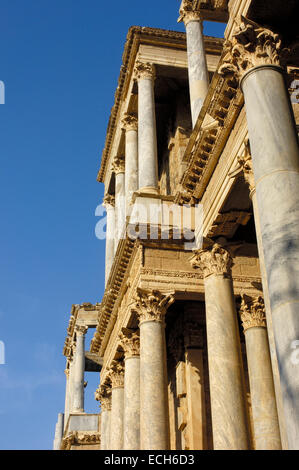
(245, 162)
(252, 45)
(103, 394)
(152, 305)
(109, 200)
(144, 70)
(81, 330)
(187, 12)
(214, 261)
(116, 374)
(130, 342)
(129, 122)
(252, 312)
(118, 165)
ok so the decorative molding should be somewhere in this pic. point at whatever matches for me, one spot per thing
(159, 272)
(245, 161)
(188, 13)
(216, 261)
(144, 70)
(129, 122)
(81, 330)
(252, 46)
(152, 305)
(109, 200)
(130, 342)
(118, 165)
(103, 395)
(116, 374)
(252, 312)
(80, 438)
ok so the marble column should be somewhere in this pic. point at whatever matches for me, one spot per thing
(264, 410)
(58, 432)
(151, 309)
(109, 204)
(197, 63)
(120, 200)
(147, 133)
(67, 403)
(116, 375)
(227, 390)
(79, 368)
(103, 394)
(275, 155)
(130, 125)
(245, 162)
(130, 343)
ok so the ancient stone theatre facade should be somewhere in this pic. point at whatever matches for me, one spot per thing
(196, 339)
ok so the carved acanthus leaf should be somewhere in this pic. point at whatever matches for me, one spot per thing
(109, 200)
(213, 261)
(252, 312)
(245, 162)
(129, 122)
(252, 45)
(130, 342)
(118, 165)
(144, 70)
(152, 305)
(116, 374)
(188, 13)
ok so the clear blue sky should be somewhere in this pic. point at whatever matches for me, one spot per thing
(60, 62)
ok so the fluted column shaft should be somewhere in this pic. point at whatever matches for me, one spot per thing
(130, 124)
(109, 203)
(117, 407)
(154, 416)
(228, 406)
(197, 63)
(264, 411)
(131, 346)
(79, 368)
(275, 155)
(147, 134)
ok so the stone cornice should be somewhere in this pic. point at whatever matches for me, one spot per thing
(252, 312)
(251, 46)
(80, 438)
(135, 37)
(209, 136)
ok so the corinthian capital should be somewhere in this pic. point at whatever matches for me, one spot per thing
(103, 394)
(81, 330)
(129, 122)
(252, 312)
(130, 342)
(116, 374)
(187, 12)
(109, 200)
(118, 164)
(214, 261)
(152, 305)
(144, 70)
(252, 45)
